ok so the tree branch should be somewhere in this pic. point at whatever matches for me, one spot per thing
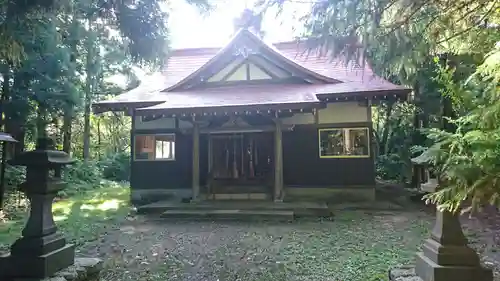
(398, 24)
(471, 27)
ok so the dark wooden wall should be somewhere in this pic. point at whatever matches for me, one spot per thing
(164, 174)
(303, 167)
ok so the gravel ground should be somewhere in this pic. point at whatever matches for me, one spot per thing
(354, 246)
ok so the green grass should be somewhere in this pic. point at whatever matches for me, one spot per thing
(81, 218)
(353, 246)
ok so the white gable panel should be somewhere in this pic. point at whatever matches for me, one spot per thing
(225, 71)
(239, 75)
(270, 67)
(257, 74)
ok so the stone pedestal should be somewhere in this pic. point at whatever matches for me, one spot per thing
(446, 255)
(403, 274)
(41, 251)
(84, 269)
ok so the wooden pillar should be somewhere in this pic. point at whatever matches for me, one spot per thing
(196, 160)
(316, 116)
(210, 154)
(278, 161)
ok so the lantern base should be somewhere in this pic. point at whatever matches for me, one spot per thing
(43, 266)
(429, 270)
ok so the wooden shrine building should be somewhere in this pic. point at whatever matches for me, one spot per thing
(253, 120)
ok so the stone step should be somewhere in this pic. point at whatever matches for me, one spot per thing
(239, 196)
(260, 215)
(298, 208)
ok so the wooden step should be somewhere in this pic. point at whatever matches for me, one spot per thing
(260, 215)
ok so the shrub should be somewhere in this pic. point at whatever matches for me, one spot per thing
(116, 167)
(83, 172)
(81, 175)
(392, 167)
(14, 175)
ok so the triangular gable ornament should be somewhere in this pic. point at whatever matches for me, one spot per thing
(235, 122)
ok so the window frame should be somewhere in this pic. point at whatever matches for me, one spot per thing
(173, 135)
(368, 155)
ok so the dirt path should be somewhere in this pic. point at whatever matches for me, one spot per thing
(483, 233)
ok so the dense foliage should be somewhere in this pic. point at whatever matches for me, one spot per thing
(56, 58)
(445, 51)
(468, 158)
(141, 23)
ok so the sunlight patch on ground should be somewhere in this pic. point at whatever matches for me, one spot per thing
(113, 204)
(83, 217)
(60, 218)
(63, 207)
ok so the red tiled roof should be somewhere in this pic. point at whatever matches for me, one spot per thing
(183, 63)
(255, 97)
(172, 65)
(236, 97)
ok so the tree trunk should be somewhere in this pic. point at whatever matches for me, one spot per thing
(5, 94)
(417, 171)
(383, 146)
(88, 91)
(41, 122)
(16, 118)
(99, 150)
(69, 110)
(66, 128)
(3, 101)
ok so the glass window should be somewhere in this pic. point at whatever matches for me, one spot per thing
(344, 142)
(155, 147)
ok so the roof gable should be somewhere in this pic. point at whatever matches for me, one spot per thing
(249, 69)
(176, 85)
(248, 58)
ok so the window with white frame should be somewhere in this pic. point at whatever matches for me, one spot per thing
(344, 142)
(154, 147)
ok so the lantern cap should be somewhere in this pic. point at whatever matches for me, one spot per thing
(6, 137)
(43, 155)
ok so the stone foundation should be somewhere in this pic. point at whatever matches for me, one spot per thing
(140, 197)
(330, 194)
(406, 273)
(84, 269)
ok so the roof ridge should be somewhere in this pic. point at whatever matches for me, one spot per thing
(215, 48)
(249, 35)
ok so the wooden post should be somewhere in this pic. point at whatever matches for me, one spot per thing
(278, 161)
(210, 154)
(196, 160)
(316, 116)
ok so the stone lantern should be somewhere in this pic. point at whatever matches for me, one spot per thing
(4, 139)
(41, 251)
